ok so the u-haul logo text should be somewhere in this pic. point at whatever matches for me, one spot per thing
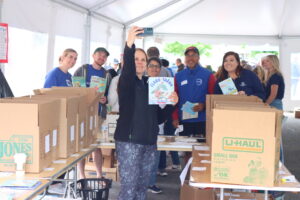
(16, 144)
(243, 145)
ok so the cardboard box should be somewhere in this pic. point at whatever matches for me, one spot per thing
(297, 113)
(54, 121)
(242, 196)
(67, 122)
(201, 165)
(210, 99)
(245, 148)
(92, 99)
(188, 192)
(108, 158)
(26, 127)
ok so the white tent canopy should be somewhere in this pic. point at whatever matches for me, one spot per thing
(49, 26)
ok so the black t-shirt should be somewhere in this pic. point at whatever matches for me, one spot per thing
(276, 79)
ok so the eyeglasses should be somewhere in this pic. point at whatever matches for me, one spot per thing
(153, 66)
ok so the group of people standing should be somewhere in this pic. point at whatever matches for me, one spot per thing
(138, 123)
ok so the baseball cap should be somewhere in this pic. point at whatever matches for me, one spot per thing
(116, 61)
(192, 48)
(101, 49)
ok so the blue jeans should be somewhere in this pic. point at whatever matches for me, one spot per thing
(154, 170)
(277, 103)
(136, 162)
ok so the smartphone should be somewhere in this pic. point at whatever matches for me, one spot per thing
(148, 31)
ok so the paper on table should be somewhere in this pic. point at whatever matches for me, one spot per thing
(185, 171)
(204, 154)
(205, 161)
(201, 148)
(199, 168)
(186, 140)
(6, 174)
(85, 149)
(59, 161)
(75, 155)
(49, 169)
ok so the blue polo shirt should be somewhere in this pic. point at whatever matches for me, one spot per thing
(248, 82)
(275, 79)
(91, 71)
(192, 86)
(56, 77)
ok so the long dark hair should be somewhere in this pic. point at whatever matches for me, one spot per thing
(223, 73)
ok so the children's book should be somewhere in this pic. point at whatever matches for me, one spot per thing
(99, 83)
(187, 111)
(78, 81)
(20, 184)
(228, 87)
(160, 89)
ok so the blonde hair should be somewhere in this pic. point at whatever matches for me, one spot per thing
(260, 72)
(276, 66)
(66, 53)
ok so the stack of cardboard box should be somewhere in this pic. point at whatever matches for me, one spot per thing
(54, 123)
(87, 111)
(244, 135)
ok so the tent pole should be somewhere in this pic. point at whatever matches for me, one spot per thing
(123, 39)
(87, 39)
(51, 39)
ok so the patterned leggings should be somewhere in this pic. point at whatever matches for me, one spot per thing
(135, 164)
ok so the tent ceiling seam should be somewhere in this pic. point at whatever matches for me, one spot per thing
(178, 13)
(151, 12)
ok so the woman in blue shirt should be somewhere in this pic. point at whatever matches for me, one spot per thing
(60, 76)
(274, 81)
(246, 82)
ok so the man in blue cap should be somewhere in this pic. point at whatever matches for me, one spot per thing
(192, 84)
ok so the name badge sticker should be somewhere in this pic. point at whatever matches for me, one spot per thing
(184, 82)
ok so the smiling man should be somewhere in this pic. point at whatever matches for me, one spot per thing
(87, 71)
(192, 84)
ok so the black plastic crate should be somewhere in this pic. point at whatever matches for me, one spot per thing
(94, 188)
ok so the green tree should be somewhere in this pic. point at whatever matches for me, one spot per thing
(177, 48)
(254, 53)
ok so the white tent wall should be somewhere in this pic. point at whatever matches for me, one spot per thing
(287, 48)
(48, 28)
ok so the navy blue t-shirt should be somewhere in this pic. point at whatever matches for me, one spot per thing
(91, 71)
(248, 82)
(56, 77)
(275, 79)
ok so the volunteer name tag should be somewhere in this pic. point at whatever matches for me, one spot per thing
(184, 82)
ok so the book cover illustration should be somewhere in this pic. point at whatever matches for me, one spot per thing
(160, 89)
(78, 81)
(228, 87)
(99, 83)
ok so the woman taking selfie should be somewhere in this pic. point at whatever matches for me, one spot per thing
(137, 126)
